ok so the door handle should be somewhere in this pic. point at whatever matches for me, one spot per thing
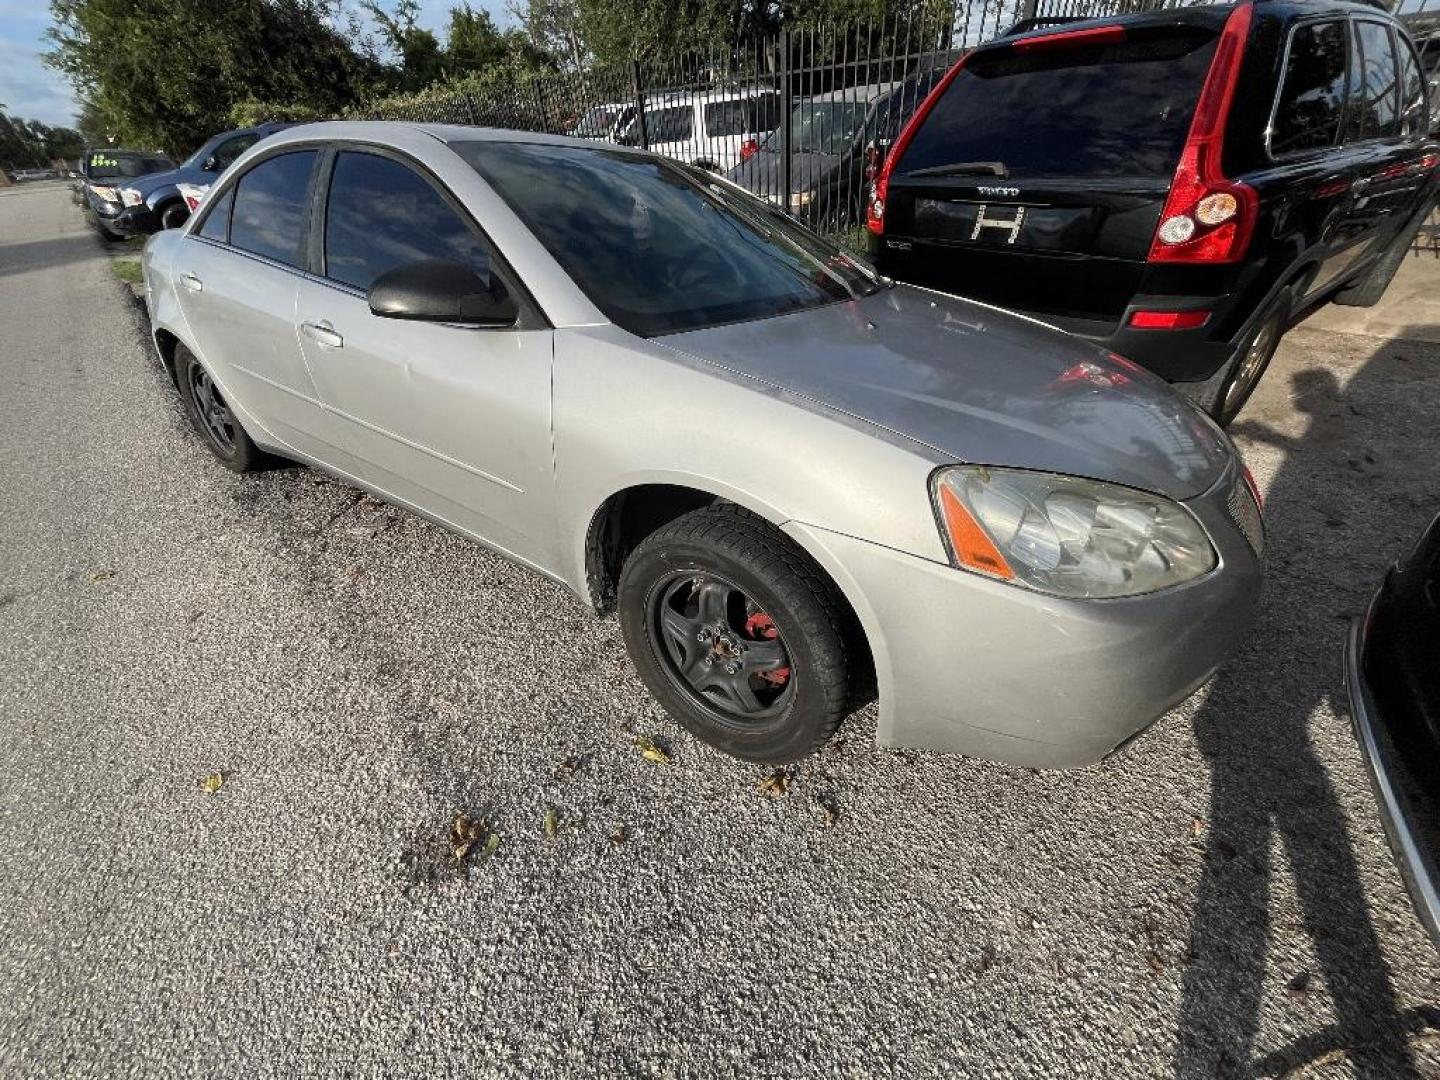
(323, 334)
(191, 282)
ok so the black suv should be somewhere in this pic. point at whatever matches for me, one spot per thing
(1179, 186)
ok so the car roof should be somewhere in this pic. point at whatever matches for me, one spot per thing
(1212, 15)
(381, 130)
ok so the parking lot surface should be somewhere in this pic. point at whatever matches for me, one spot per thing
(1216, 900)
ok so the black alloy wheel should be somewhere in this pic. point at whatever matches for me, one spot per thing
(721, 647)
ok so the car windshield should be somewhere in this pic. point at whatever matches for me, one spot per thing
(106, 165)
(660, 247)
(822, 127)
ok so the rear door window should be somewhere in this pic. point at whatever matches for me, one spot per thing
(674, 124)
(270, 201)
(1374, 110)
(216, 225)
(1117, 109)
(725, 118)
(1312, 94)
(1413, 118)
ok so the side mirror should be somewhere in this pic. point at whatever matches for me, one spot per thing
(211, 165)
(437, 290)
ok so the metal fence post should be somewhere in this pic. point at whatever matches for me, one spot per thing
(787, 104)
(639, 84)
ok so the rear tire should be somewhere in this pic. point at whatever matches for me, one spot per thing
(1368, 291)
(1225, 393)
(738, 634)
(208, 411)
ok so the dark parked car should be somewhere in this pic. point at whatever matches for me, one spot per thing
(104, 172)
(1392, 671)
(1179, 186)
(837, 143)
(154, 202)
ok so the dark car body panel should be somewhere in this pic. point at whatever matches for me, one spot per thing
(1392, 674)
(1325, 216)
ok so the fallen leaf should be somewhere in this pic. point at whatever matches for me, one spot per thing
(211, 784)
(467, 828)
(829, 808)
(570, 766)
(651, 751)
(102, 575)
(552, 821)
(619, 836)
(492, 843)
(776, 784)
(462, 849)
(1197, 826)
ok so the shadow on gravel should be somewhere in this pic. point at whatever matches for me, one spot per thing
(37, 255)
(1268, 782)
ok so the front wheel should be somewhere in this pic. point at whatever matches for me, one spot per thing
(737, 634)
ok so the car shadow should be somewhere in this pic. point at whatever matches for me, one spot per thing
(1341, 507)
(34, 255)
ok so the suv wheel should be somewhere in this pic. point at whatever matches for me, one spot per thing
(737, 634)
(174, 215)
(212, 417)
(1225, 393)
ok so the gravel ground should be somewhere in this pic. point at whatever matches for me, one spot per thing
(1217, 900)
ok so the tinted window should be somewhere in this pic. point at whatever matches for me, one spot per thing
(269, 214)
(382, 214)
(217, 221)
(122, 165)
(743, 116)
(1374, 112)
(1121, 109)
(231, 149)
(657, 246)
(1413, 120)
(1312, 96)
(670, 125)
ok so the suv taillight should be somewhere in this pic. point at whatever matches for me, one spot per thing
(875, 205)
(1208, 218)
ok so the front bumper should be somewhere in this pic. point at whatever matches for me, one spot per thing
(979, 667)
(136, 221)
(1397, 794)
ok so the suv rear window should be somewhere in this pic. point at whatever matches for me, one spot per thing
(1120, 109)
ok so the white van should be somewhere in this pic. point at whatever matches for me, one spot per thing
(710, 128)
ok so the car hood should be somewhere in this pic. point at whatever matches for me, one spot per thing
(153, 181)
(980, 385)
(761, 172)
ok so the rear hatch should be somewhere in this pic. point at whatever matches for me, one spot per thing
(1046, 150)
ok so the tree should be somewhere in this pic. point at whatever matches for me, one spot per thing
(422, 61)
(166, 73)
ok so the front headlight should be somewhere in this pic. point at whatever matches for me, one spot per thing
(130, 197)
(1067, 536)
(105, 193)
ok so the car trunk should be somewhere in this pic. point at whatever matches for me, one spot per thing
(1036, 158)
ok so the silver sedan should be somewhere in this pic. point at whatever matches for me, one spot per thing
(799, 484)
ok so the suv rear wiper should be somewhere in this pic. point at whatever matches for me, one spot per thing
(964, 168)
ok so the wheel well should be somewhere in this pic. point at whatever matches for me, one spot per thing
(629, 516)
(166, 343)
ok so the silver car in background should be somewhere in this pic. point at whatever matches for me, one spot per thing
(799, 484)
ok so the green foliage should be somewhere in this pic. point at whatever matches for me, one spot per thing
(168, 72)
(30, 144)
(250, 112)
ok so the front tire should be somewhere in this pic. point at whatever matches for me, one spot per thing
(738, 634)
(211, 415)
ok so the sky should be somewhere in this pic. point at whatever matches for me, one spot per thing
(31, 90)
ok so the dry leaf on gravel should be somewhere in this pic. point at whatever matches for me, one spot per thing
(619, 836)
(829, 807)
(1197, 826)
(211, 784)
(775, 784)
(552, 822)
(492, 843)
(570, 766)
(102, 575)
(652, 751)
